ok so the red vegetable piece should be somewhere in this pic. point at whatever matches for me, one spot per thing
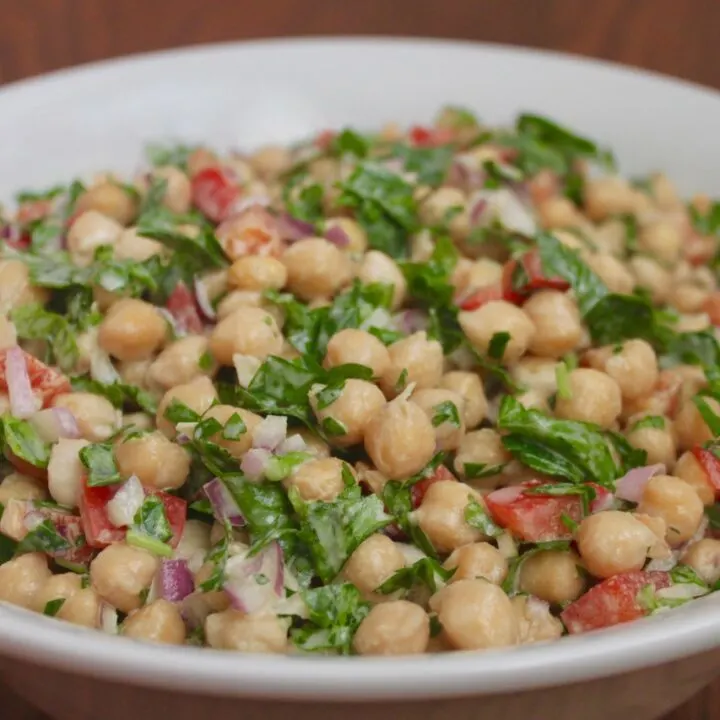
(712, 308)
(71, 528)
(99, 531)
(710, 465)
(511, 294)
(430, 137)
(481, 297)
(214, 193)
(325, 138)
(45, 381)
(418, 490)
(537, 279)
(183, 307)
(612, 602)
(176, 511)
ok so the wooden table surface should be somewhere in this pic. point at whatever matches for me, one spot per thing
(677, 37)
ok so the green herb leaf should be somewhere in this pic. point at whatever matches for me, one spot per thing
(477, 471)
(477, 516)
(431, 164)
(177, 412)
(234, 428)
(43, 538)
(398, 501)
(427, 572)
(446, 412)
(99, 459)
(34, 322)
(151, 519)
(23, 441)
(651, 421)
(177, 155)
(498, 343)
(119, 394)
(348, 142)
(52, 607)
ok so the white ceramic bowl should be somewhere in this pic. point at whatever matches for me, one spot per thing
(83, 120)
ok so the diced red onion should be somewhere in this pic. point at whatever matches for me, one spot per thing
(293, 443)
(292, 229)
(172, 321)
(506, 495)
(378, 318)
(108, 620)
(176, 581)
(121, 510)
(477, 211)
(337, 236)
(412, 321)
(203, 299)
(507, 545)
(603, 501)
(631, 486)
(662, 564)
(223, 504)
(23, 404)
(411, 553)
(55, 423)
(182, 439)
(537, 608)
(504, 207)
(254, 462)
(682, 591)
(269, 433)
(101, 367)
(256, 583)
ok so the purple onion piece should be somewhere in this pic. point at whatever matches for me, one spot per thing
(293, 229)
(337, 236)
(176, 581)
(224, 507)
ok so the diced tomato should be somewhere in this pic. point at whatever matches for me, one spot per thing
(537, 279)
(699, 249)
(481, 297)
(71, 528)
(418, 490)
(24, 467)
(33, 210)
(182, 306)
(712, 307)
(430, 137)
(176, 511)
(45, 381)
(325, 138)
(16, 238)
(509, 292)
(215, 193)
(612, 602)
(710, 465)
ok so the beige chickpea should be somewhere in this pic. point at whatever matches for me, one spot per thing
(651, 276)
(132, 246)
(688, 469)
(8, 333)
(158, 622)
(633, 365)
(316, 268)
(482, 273)
(657, 442)
(256, 633)
(257, 272)
(96, 417)
(357, 346)
(553, 576)
(88, 232)
(313, 444)
(610, 237)
(481, 447)
(21, 487)
(593, 397)
(157, 462)
(110, 200)
(178, 190)
(414, 359)
(201, 159)
(66, 471)
(16, 289)
(373, 562)
(498, 317)
(246, 331)
(559, 212)
(558, 329)
(354, 232)
(676, 502)
(469, 387)
(82, 608)
(664, 192)
(704, 558)
(441, 515)
(536, 623)
(536, 374)
(477, 560)
(689, 424)
(223, 413)
(271, 161)
(435, 208)
(179, 362)
(320, 479)
(22, 578)
(132, 330)
(449, 430)
(346, 417)
(607, 196)
(661, 240)
(394, 628)
(476, 615)
(613, 273)
(377, 267)
(57, 587)
(120, 573)
(613, 542)
(400, 439)
(687, 297)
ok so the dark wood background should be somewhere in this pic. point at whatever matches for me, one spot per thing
(677, 37)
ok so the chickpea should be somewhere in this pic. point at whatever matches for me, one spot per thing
(469, 387)
(676, 503)
(481, 447)
(357, 346)
(481, 273)
(319, 479)
(314, 445)
(449, 431)
(689, 424)
(664, 192)
(178, 191)
(16, 289)
(658, 442)
(66, 472)
(607, 196)
(477, 560)
(57, 587)
(158, 463)
(373, 562)
(131, 246)
(246, 331)
(271, 161)
(180, 362)
(316, 268)
(689, 470)
(257, 272)
(537, 374)
(359, 401)
(21, 487)
(223, 413)
(256, 633)
(88, 232)
(400, 439)
(108, 199)
(397, 627)
(704, 558)
(354, 232)
(662, 240)
(252, 231)
(633, 365)
(159, 622)
(559, 212)
(82, 608)
(687, 297)
(652, 276)
(476, 615)
(434, 210)
(414, 359)
(558, 330)
(22, 578)
(201, 159)
(496, 317)
(120, 573)
(132, 330)
(377, 267)
(8, 333)
(536, 623)
(553, 576)
(612, 272)
(613, 542)
(370, 478)
(95, 415)
(593, 397)
(441, 515)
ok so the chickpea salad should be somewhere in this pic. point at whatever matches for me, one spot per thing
(452, 387)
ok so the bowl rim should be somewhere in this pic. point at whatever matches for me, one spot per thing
(28, 636)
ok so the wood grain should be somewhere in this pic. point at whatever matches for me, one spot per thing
(669, 36)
